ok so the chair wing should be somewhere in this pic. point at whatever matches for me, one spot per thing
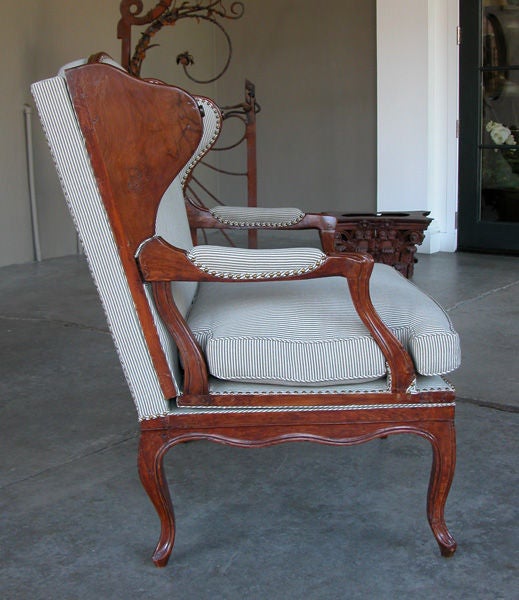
(95, 186)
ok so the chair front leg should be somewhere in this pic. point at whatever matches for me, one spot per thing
(152, 449)
(443, 440)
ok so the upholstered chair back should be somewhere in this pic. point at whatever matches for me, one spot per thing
(172, 222)
(172, 225)
(152, 189)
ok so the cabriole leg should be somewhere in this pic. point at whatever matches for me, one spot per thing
(152, 449)
(442, 473)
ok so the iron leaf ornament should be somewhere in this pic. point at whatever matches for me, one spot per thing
(168, 13)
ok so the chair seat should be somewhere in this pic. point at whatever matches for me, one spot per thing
(265, 391)
(307, 332)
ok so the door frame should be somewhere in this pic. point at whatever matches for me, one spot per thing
(475, 234)
(417, 111)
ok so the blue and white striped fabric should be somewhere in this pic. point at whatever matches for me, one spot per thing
(240, 263)
(231, 388)
(82, 195)
(308, 332)
(435, 383)
(303, 333)
(173, 226)
(171, 223)
(243, 216)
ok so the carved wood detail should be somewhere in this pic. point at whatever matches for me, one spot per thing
(157, 438)
(133, 175)
(161, 128)
(391, 238)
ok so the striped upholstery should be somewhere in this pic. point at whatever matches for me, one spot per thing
(379, 386)
(307, 332)
(173, 226)
(243, 216)
(85, 204)
(239, 263)
(172, 223)
(285, 334)
(216, 386)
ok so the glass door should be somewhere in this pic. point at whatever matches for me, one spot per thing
(489, 126)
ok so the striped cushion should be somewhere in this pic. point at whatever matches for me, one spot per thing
(242, 216)
(240, 263)
(307, 332)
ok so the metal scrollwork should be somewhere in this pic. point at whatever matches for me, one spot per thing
(167, 13)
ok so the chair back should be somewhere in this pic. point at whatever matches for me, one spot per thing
(172, 223)
(122, 148)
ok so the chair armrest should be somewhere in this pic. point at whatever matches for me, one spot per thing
(257, 217)
(160, 263)
(239, 263)
(246, 217)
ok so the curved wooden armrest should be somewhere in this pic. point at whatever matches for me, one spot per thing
(201, 218)
(160, 263)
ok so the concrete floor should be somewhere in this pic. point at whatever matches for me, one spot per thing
(289, 522)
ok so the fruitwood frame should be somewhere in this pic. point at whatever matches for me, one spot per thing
(161, 127)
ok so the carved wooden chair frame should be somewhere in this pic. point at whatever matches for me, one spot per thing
(162, 127)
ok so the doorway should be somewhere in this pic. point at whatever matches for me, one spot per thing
(489, 126)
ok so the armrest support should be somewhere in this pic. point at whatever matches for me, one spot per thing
(160, 262)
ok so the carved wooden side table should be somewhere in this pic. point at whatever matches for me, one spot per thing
(390, 237)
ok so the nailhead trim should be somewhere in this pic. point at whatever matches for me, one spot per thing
(258, 223)
(201, 153)
(251, 276)
(278, 409)
(320, 392)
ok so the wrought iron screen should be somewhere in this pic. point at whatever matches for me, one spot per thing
(167, 13)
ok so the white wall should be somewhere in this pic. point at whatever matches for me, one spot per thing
(314, 66)
(315, 76)
(316, 81)
(15, 229)
(417, 111)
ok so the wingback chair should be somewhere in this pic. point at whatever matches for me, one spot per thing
(242, 347)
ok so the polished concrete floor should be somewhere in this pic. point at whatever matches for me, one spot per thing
(289, 522)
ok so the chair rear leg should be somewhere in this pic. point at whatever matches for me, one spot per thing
(443, 441)
(152, 449)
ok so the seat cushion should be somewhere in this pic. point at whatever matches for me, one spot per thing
(308, 332)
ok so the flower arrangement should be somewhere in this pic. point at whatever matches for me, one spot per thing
(500, 174)
(501, 167)
(500, 134)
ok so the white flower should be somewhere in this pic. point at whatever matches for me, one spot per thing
(510, 141)
(500, 134)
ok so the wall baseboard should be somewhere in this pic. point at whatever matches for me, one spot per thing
(439, 241)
